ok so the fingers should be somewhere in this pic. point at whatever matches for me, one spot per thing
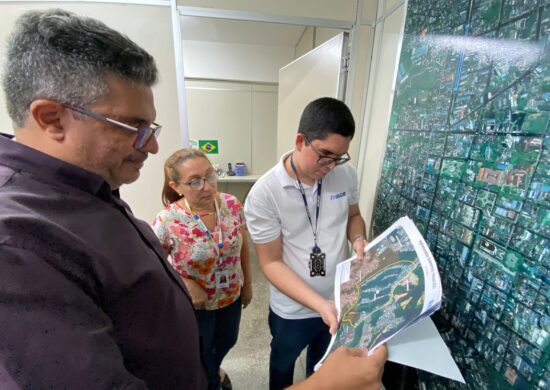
(380, 354)
(330, 315)
(246, 297)
(357, 352)
(333, 327)
(199, 303)
(359, 247)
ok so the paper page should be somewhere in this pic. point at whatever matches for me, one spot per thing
(421, 346)
(393, 287)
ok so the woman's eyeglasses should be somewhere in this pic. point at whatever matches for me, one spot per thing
(198, 183)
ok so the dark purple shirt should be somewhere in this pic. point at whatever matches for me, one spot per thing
(87, 300)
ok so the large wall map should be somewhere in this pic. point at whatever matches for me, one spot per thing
(468, 159)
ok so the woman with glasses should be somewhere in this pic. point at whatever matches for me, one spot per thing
(203, 235)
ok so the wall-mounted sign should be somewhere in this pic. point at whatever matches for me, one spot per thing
(209, 146)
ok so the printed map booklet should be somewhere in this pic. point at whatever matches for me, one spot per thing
(395, 286)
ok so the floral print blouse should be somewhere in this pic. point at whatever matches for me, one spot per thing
(194, 255)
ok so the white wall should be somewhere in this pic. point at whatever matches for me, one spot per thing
(381, 87)
(313, 37)
(343, 10)
(241, 116)
(264, 128)
(151, 28)
(313, 75)
(233, 61)
(324, 34)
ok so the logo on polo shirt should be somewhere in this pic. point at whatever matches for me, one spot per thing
(338, 196)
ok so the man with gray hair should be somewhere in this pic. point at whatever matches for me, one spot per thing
(87, 300)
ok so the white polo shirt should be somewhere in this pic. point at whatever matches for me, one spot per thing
(274, 207)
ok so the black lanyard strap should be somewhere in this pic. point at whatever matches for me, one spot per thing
(319, 184)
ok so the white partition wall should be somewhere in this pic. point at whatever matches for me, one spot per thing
(240, 116)
(316, 74)
(388, 36)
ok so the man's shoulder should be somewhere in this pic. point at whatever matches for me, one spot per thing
(26, 227)
(265, 183)
(6, 173)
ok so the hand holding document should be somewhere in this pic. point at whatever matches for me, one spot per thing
(395, 286)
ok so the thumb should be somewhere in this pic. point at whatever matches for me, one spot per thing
(333, 326)
(358, 352)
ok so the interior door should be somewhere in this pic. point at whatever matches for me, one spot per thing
(318, 73)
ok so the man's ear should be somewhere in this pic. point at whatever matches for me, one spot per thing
(299, 142)
(47, 117)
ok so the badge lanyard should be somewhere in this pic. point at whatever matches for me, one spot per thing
(316, 249)
(219, 245)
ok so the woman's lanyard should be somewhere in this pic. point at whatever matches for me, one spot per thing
(316, 248)
(218, 247)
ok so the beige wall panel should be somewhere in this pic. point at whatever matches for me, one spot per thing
(324, 34)
(233, 61)
(378, 108)
(264, 129)
(305, 43)
(136, 21)
(222, 111)
(391, 4)
(322, 9)
(359, 75)
(369, 11)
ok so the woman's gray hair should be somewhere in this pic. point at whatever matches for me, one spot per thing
(57, 55)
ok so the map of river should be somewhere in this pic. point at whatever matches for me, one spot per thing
(385, 292)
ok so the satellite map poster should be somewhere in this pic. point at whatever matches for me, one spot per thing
(468, 159)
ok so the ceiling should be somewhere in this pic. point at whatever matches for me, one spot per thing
(196, 28)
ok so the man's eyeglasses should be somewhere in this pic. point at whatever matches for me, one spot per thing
(198, 183)
(144, 134)
(327, 160)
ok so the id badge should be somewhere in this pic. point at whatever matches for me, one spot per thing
(222, 279)
(317, 262)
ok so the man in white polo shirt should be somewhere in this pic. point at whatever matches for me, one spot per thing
(301, 215)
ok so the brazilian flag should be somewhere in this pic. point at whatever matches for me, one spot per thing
(209, 146)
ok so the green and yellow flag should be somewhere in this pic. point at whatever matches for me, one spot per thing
(209, 146)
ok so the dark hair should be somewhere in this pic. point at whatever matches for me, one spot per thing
(55, 54)
(326, 116)
(171, 173)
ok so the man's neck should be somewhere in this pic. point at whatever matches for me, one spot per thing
(301, 176)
